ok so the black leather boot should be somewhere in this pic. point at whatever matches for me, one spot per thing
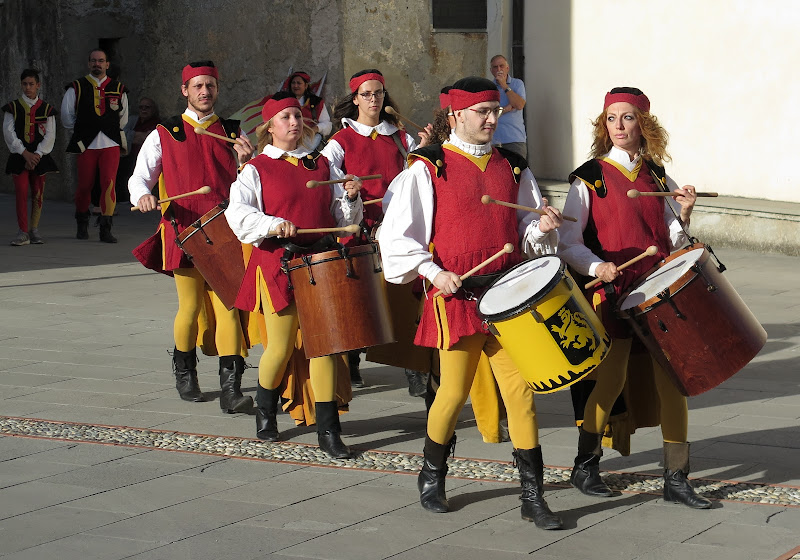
(431, 478)
(417, 383)
(231, 398)
(677, 487)
(184, 366)
(267, 414)
(531, 475)
(105, 229)
(329, 431)
(586, 472)
(83, 225)
(353, 362)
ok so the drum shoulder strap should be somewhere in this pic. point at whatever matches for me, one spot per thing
(517, 162)
(591, 174)
(432, 153)
(399, 144)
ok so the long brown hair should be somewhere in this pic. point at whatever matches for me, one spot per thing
(345, 108)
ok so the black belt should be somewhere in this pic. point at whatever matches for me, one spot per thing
(480, 280)
(323, 244)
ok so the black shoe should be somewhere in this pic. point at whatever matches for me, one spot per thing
(586, 472)
(353, 362)
(677, 487)
(266, 414)
(531, 474)
(231, 399)
(184, 366)
(329, 431)
(417, 383)
(105, 229)
(82, 218)
(430, 481)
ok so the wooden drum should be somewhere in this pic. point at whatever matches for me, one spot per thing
(216, 252)
(341, 300)
(692, 321)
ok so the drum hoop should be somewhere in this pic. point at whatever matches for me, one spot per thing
(525, 305)
(681, 282)
(198, 224)
(373, 250)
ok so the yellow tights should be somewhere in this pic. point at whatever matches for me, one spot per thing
(457, 366)
(611, 375)
(281, 336)
(191, 287)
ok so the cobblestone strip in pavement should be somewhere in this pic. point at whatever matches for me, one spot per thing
(226, 446)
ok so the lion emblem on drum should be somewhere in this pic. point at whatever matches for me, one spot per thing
(575, 335)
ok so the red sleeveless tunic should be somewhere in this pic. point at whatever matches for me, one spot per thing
(364, 155)
(465, 233)
(284, 192)
(620, 228)
(186, 166)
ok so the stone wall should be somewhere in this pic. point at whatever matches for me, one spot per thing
(253, 42)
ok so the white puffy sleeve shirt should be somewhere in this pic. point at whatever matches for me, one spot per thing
(245, 212)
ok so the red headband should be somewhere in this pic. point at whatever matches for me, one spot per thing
(272, 107)
(190, 72)
(356, 82)
(460, 99)
(306, 77)
(444, 100)
(639, 101)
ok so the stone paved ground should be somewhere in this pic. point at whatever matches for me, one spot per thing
(83, 341)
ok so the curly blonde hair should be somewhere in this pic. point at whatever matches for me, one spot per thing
(654, 137)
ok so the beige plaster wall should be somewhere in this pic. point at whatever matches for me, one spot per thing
(721, 76)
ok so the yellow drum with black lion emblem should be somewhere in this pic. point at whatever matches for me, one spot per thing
(541, 318)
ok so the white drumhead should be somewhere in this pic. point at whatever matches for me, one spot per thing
(661, 279)
(518, 285)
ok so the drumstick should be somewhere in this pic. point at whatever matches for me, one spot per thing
(200, 130)
(201, 190)
(373, 201)
(651, 250)
(486, 199)
(391, 110)
(507, 248)
(353, 228)
(633, 193)
(314, 184)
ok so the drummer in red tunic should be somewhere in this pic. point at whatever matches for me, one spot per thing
(269, 201)
(179, 160)
(628, 151)
(437, 227)
(368, 141)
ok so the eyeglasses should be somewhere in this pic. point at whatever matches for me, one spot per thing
(100, 60)
(367, 95)
(484, 113)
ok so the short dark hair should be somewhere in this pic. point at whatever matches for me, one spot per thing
(201, 63)
(30, 73)
(98, 49)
